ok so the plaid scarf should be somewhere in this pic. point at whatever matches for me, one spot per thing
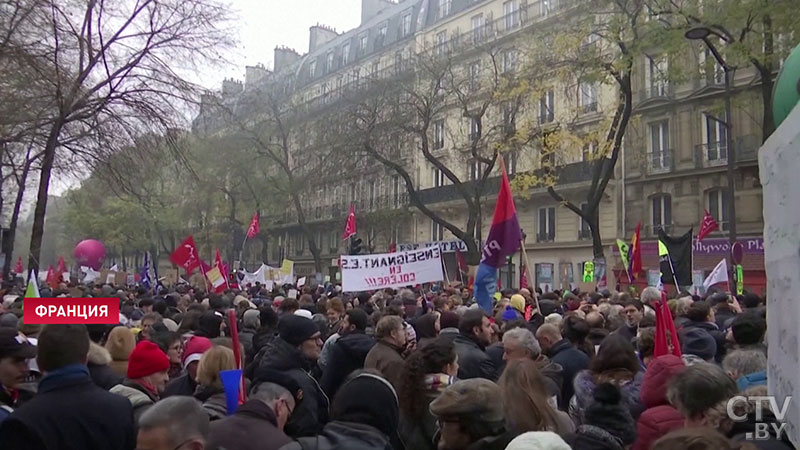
(438, 382)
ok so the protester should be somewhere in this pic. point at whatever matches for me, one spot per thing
(258, 424)
(349, 352)
(364, 416)
(538, 440)
(427, 327)
(527, 405)
(660, 417)
(701, 316)
(519, 343)
(15, 351)
(697, 346)
(633, 314)
(251, 322)
(616, 363)
(697, 390)
(561, 352)
(742, 418)
(607, 423)
(146, 379)
(334, 312)
(186, 383)
(69, 411)
(295, 353)
(209, 325)
(449, 324)
(99, 369)
(172, 424)
(120, 344)
(474, 336)
(748, 330)
(387, 355)
(427, 372)
(747, 367)
(170, 343)
(209, 385)
(267, 331)
(470, 414)
(148, 321)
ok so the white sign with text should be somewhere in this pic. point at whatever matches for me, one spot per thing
(385, 270)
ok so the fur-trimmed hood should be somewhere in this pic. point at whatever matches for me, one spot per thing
(98, 355)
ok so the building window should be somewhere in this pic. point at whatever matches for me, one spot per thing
(662, 212)
(475, 169)
(718, 207)
(474, 75)
(509, 121)
(381, 35)
(589, 151)
(345, 53)
(510, 14)
(353, 193)
(299, 243)
(329, 65)
(716, 139)
(511, 162)
(333, 241)
(437, 232)
(509, 60)
(583, 227)
(312, 68)
(477, 29)
(547, 107)
(363, 40)
(441, 43)
(355, 77)
(396, 191)
(406, 24)
(474, 129)
(444, 8)
(656, 77)
(437, 177)
(547, 224)
(588, 97)
(714, 73)
(545, 7)
(659, 145)
(438, 134)
(374, 69)
(371, 197)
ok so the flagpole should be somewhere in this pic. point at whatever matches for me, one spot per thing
(530, 275)
(674, 278)
(444, 267)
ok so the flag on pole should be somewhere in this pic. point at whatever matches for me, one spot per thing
(350, 225)
(718, 275)
(523, 277)
(707, 227)
(62, 270)
(664, 325)
(624, 254)
(635, 253)
(32, 291)
(253, 229)
(223, 268)
(18, 269)
(463, 268)
(186, 255)
(52, 277)
(146, 281)
(676, 258)
(503, 240)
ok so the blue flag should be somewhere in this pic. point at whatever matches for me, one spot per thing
(503, 240)
(146, 281)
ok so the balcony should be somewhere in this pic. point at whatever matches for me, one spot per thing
(660, 90)
(660, 162)
(548, 236)
(713, 154)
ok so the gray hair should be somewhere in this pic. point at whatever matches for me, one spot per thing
(525, 338)
(183, 417)
(744, 362)
(650, 295)
(252, 318)
(554, 319)
(386, 325)
(270, 392)
(699, 388)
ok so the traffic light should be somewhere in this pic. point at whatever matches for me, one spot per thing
(355, 246)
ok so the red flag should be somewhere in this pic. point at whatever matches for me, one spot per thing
(523, 278)
(709, 225)
(186, 255)
(52, 277)
(61, 266)
(18, 269)
(392, 247)
(222, 269)
(636, 251)
(664, 324)
(252, 230)
(237, 352)
(350, 226)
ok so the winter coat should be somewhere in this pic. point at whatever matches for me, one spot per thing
(590, 437)
(140, 398)
(343, 436)
(263, 337)
(102, 374)
(629, 333)
(213, 400)
(252, 427)
(496, 352)
(347, 354)
(8, 404)
(312, 411)
(387, 359)
(713, 330)
(120, 344)
(571, 361)
(553, 377)
(246, 337)
(630, 386)
(473, 362)
(499, 442)
(418, 432)
(723, 317)
(183, 385)
(70, 413)
(740, 431)
(660, 417)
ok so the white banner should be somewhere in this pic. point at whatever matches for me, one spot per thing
(444, 246)
(383, 270)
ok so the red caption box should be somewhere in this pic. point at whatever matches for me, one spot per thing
(71, 310)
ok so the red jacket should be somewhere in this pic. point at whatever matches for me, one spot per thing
(660, 417)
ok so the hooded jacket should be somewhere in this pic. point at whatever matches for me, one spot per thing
(100, 371)
(347, 354)
(120, 344)
(660, 417)
(312, 411)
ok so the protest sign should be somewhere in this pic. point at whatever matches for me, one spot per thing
(383, 270)
(301, 282)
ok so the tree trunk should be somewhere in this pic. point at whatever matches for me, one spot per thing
(301, 220)
(37, 232)
(597, 241)
(12, 226)
(768, 121)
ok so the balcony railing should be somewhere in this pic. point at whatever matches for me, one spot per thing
(549, 236)
(660, 90)
(713, 154)
(660, 162)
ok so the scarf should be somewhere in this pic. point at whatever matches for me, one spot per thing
(69, 372)
(438, 382)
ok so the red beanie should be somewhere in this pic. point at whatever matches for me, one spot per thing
(193, 349)
(146, 359)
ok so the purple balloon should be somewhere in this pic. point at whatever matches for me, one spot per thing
(90, 253)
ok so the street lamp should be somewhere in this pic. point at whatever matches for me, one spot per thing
(702, 34)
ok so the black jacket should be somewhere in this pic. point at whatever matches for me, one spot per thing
(102, 374)
(247, 338)
(346, 355)
(252, 427)
(473, 362)
(740, 431)
(311, 413)
(572, 361)
(70, 413)
(183, 385)
(343, 436)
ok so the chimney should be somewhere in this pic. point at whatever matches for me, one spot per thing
(284, 57)
(254, 74)
(319, 36)
(231, 87)
(371, 8)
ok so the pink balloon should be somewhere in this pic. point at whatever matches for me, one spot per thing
(90, 253)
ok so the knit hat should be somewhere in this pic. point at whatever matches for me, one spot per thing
(368, 399)
(509, 314)
(146, 359)
(538, 440)
(518, 302)
(698, 342)
(296, 329)
(607, 413)
(449, 319)
(120, 343)
(194, 348)
(478, 399)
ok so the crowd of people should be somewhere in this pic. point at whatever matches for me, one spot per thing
(419, 368)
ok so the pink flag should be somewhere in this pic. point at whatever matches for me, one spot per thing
(252, 230)
(350, 226)
(707, 227)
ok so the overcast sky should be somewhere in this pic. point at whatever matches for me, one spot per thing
(265, 24)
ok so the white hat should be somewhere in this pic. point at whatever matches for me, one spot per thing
(538, 440)
(303, 313)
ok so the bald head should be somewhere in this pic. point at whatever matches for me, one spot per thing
(548, 335)
(595, 320)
